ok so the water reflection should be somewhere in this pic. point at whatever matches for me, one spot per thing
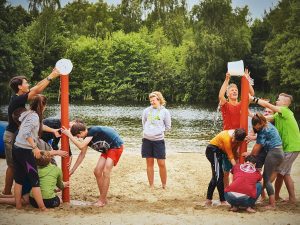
(192, 126)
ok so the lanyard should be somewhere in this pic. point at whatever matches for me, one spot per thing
(152, 117)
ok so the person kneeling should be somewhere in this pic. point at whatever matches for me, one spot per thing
(50, 178)
(245, 188)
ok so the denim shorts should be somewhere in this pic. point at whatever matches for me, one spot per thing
(243, 201)
(153, 149)
(226, 164)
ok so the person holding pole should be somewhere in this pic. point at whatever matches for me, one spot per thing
(288, 129)
(25, 150)
(231, 113)
(102, 139)
(245, 188)
(20, 86)
(268, 139)
(223, 143)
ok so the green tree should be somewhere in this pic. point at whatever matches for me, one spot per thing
(221, 35)
(90, 62)
(46, 40)
(132, 60)
(132, 15)
(282, 49)
(14, 58)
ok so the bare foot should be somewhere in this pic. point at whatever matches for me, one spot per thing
(224, 203)
(250, 210)
(270, 207)
(207, 203)
(288, 201)
(164, 186)
(233, 209)
(44, 209)
(100, 203)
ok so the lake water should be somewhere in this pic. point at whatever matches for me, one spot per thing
(192, 126)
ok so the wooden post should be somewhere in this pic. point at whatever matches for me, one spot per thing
(244, 113)
(64, 79)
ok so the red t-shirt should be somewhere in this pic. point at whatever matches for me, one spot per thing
(244, 180)
(231, 116)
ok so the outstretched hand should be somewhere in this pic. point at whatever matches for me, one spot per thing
(36, 153)
(71, 172)
(250, 137)
(56, 133)
(66, 184)
(62, 153)
(66, 131)
(251, 98)
(227, 76)
(247, 73)
(55, 72)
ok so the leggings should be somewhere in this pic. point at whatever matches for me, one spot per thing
(274, 158)
(25, 167)
(214, 156)
(49, 203)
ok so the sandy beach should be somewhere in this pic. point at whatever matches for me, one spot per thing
(131, 201)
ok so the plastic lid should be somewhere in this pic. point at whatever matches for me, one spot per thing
(64, 66)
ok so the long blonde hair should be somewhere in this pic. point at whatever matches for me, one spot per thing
(159, 97)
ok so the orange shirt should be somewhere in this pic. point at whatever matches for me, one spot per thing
(223, 141)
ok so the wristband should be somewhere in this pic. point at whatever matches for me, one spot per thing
(49, 79)
(255, 99)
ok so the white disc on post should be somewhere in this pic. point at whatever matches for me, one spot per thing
(64, 66)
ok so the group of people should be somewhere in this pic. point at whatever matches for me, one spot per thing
(277, 145)
(31, 142)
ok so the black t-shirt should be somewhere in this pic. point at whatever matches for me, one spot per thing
(53, 123)
(47, 136)
(16, 101)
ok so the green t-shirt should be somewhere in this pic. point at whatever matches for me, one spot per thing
(288, 129)
(50, 178)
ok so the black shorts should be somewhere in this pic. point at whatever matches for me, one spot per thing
(25, 166)
(49, 203)
(153, 149)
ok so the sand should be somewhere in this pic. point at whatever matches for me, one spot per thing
(131, 201)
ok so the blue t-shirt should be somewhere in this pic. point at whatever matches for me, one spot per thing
(104, 138)
(269, 137)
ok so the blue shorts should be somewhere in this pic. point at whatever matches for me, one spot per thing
(153, 149)
(226, 164)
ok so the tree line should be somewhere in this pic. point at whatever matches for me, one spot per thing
(124, 52)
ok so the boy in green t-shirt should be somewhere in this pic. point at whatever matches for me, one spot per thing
(288, 129)
(50, 178)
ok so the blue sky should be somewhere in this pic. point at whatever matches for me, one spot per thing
(257, 7)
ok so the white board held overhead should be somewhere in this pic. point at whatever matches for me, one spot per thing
(236, 68)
